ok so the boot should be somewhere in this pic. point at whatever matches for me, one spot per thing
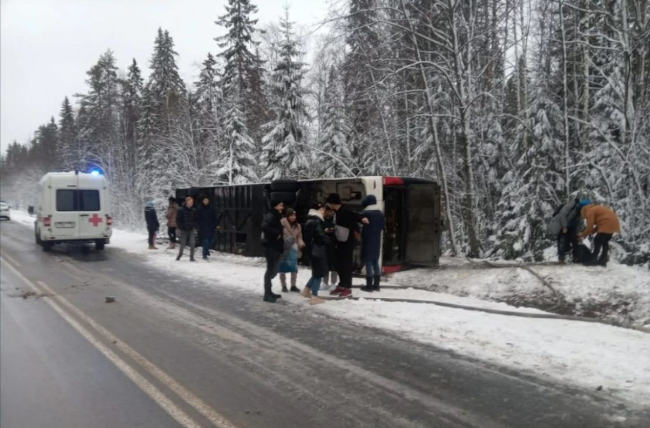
(294, 277)
(306, 292)
(151, 247)
(369, 286)
(269, 298)
(375, 285)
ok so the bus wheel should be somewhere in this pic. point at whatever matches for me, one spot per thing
(99, 244)
(47, 246)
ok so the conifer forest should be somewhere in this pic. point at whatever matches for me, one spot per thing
(513, 106)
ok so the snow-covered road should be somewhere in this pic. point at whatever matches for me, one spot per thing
(612, 360)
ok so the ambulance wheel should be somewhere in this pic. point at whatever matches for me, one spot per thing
(284, 186)
(99, 244)
(47, 246)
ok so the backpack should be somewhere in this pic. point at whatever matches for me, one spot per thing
(583, 255)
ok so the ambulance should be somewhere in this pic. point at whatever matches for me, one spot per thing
(73, 207)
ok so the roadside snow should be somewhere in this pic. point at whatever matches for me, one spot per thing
(616, 293)
(588, 355)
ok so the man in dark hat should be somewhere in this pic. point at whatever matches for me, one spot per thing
(273, 242)
(346, 226)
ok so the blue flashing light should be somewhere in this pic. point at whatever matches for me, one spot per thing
(95, 173)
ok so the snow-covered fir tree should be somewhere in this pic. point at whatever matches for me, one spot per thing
(207, 112)
(283, 151)
(68, 148)
(243, 70)
(334, 156)
(98, 118)
(238, 161)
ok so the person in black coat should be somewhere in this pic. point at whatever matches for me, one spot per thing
(346, 227)
(332, 277)
(316, 243)
(273, 242)
(151, 217)
(186, 221)
(371, 242)
(207, 222)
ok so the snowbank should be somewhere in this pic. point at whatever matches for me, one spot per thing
(594, 356)
(617, 293)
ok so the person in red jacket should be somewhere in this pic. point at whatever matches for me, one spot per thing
(602, 221)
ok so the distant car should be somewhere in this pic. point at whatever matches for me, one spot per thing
(5, 211)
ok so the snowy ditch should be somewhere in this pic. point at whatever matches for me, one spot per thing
(611, 361)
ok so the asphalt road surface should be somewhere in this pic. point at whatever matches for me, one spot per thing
(175, 352)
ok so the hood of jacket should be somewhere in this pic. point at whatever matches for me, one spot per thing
(315, 213)
(369, 200)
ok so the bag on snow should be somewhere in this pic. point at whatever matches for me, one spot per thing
(584, 255)
(553, 227)
(342, 233)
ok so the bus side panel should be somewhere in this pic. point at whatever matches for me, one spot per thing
(239, 219)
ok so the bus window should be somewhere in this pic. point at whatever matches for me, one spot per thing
(392, 248)
(423, 221)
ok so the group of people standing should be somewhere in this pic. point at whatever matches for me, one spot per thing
(187, 220)
(600, 220)
(328, 240)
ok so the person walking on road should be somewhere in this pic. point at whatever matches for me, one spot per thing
(346, 228)
(602, 221)
(151, 217)
(293, 244)
(371, 242)
(317, 242)
(172, 212)
(186, 221)
(564, 225)
(207, 222)
(273, 242)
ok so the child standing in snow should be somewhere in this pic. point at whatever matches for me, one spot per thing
(293, 243)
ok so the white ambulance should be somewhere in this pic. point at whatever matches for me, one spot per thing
(73, 207)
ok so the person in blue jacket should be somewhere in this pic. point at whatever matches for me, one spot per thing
(371, 242)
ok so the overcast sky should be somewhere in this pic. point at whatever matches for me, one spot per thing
(48, 45)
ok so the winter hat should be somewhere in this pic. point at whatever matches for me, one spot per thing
(369, 200)
(149, 204)
(584, 202)
(276, 198)
(333, 198)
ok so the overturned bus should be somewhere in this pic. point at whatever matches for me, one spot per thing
(411, 206)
